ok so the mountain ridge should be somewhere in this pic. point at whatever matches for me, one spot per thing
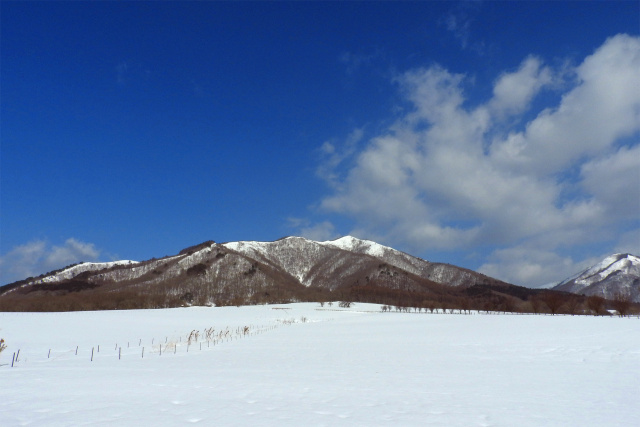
(289, 269)
(617, 275)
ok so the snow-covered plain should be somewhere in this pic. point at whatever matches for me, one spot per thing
(303, 365)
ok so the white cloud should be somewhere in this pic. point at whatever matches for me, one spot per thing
(615, 181)
(448, 176)
(532, 266)
(513, 92)
(333, 154)
(602, 108)
(72, 251)
(39, 257)
(629, 242)
(321, 231)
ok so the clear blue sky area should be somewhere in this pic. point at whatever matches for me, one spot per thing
(131, 130)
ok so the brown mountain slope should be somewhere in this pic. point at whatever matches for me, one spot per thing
(289, 269)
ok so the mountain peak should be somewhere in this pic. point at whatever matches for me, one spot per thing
(353, 244)
(615, 274)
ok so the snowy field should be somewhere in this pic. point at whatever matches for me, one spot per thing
(302, 365)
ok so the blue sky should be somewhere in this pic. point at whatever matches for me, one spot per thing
(498, 136)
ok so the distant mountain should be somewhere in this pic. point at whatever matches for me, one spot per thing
(618, 274)
(289, 269)
(314, 263)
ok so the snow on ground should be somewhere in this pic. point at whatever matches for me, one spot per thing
(303, 365)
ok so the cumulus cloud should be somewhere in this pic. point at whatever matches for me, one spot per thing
(333, 154)
(533, 266)
(615, 181)
(321, 231)
(513, 91)
(601, 109)
(37, 257)
(629, 242)
(449, 175)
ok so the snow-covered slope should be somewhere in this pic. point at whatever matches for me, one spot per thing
(73, 271)
(618, 274)
(301, 258)
(440, 273)
(310, 261)
(295, 255)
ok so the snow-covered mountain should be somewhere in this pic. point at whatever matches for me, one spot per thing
(309, 261)
(618, 274)
(75, 270)
(289, 269)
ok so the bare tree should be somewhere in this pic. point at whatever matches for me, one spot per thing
(465, 304)
(431, 305)
(553, 300)
(444, 306)
(489, 305)
(572, 305)
(622, 303)
(595, 304)
(509, 305)
(536, 304)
